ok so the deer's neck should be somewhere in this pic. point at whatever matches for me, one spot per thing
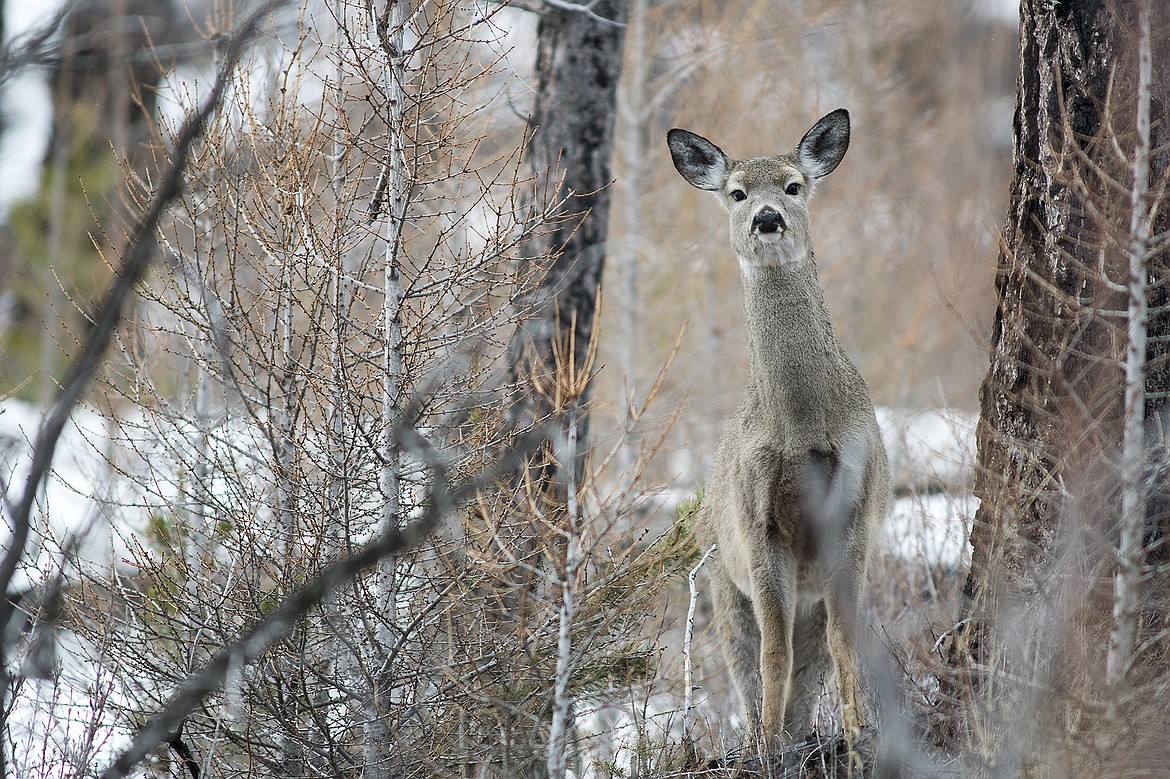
(798, 369)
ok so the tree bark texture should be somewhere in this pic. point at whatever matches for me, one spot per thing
(578, 65)
(1051, 403)
(105, 84)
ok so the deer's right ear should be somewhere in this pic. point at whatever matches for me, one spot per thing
(821, 149)
(700, 162)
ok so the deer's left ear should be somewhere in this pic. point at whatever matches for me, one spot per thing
(701, 163)
(821, 149)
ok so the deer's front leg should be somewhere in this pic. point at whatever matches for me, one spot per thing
(740, 636)
(843, 649)
(774, 602)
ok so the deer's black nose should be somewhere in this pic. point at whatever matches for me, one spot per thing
(768, 220)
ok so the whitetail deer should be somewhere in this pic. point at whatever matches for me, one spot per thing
(800, 482)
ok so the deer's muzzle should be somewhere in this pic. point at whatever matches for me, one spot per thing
(768, 220)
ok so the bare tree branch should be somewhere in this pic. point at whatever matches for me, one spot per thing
(34, 48)
(177, 743)
(586, 9)
(141, 251)
(252, 644)
(1134, 489)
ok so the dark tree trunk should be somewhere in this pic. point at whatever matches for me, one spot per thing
(1052, 401)
(103, 88)
(578, 65)
(105, 83)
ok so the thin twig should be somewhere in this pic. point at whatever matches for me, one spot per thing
(688, 688)
(255, 641)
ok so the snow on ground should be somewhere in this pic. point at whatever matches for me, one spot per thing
(106, 481)
(81, 500)
(931, 462)
(109, 479)
(68, 724)
(929, 450)
(615, 737)
(931, 528)
(932, 469)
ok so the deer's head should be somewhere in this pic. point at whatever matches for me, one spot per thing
(766, 197)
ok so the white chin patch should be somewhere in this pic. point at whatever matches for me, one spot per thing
(779, 258)
(790, 263)
(770, 238)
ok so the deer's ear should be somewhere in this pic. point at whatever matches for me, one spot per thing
(822, 147)
(700, 162)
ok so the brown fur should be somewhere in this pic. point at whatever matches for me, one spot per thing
(800, 482)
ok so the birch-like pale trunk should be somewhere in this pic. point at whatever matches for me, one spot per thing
(388, 36)
(628, 270)
(688, 632)
(196, 499)
(338, 517)
(344, 271)
(387, 32)
(392, 304)
(339, 290)
(567, 608)
(1126, 580)
(342, 297)
(286, 434)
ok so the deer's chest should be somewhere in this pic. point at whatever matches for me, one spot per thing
(787, 494)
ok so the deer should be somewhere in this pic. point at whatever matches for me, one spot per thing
(800, 482)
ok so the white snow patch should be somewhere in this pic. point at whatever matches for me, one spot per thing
(615, 738)
(22, 145)
(28, 106)
(929, 449)
(67, 725)
(77, 502)
(931, 529)
(22, 17)
(1000, 10)
(932, 466)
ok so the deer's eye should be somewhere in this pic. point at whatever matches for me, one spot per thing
(738, 195)
(793, 188)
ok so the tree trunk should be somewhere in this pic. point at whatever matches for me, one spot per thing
(638, 115)
(1051, 418)
(578, 63)
(103, 90)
